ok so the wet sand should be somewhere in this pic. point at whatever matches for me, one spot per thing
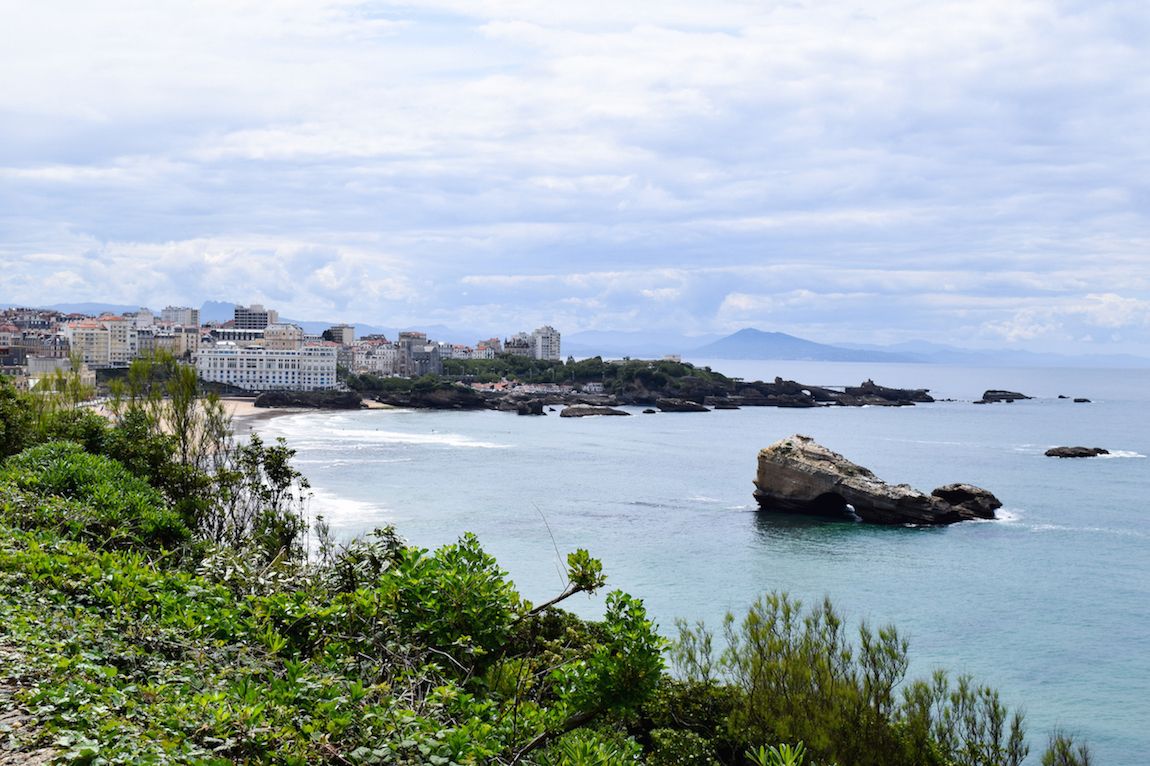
(246, 417)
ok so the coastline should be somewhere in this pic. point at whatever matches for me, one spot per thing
(245, 416)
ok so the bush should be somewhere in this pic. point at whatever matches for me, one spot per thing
(87, 497)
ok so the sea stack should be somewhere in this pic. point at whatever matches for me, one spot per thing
(799, 475)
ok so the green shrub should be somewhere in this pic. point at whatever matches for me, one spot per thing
(679, 747)
(87, 497)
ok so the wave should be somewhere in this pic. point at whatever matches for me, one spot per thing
(1118, 453)
(345, 514)
(356, 438)
(1118, 532)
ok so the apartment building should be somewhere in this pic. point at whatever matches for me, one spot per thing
(311, 367)
(545, 342)
(180, 315)
(254, 317)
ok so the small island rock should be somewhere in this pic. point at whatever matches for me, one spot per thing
(798, 475)
(680, 405)
(995, 395)
(1076, 452)
(587, 410)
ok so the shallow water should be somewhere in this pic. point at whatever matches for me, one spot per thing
(1051, 604)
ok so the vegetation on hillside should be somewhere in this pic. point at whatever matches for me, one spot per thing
(170, 603)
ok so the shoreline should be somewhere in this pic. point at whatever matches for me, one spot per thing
(245, 415)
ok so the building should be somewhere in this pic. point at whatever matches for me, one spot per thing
(375, 355)
(311, 367)
(343, 334)
(180, 315)
(283, 337)
(519, 344)
(545, 341)
(254, 317)
(90, 340)
(417, 356)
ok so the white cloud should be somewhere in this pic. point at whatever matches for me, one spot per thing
(867, 165)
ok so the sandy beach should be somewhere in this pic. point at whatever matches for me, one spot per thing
(246, 416)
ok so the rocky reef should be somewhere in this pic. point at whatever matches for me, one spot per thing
(320, 400)
(588, 410)
(992, 396)
(1076, 452)
(799, 475)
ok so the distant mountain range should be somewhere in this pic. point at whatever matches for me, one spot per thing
(756, 344)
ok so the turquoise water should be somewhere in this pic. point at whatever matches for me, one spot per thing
(1051, 604)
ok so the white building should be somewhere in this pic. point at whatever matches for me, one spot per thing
(309, 368)
(546, 343)
(180, 315)
(377, 357)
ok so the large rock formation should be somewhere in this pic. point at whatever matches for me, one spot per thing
(680, 405)
(320, 400)
(1076, 452)
(587, 410)
(996, 395)
(798, 475)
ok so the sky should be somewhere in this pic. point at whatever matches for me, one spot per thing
(974, 173)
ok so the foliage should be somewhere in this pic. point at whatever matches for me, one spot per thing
(86, 497)
(797, 677)
(1062, 751)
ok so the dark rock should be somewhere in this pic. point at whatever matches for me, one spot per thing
(650, 411)
(994, 395)
(974, 500)
(320, 400)
(680, 405)
(530, 407)
(1082, 400)
(1063, 396)
(587, 410)
(798, 475)
(451, 397)
(872, 393)
(725, 405)
(1076, 452)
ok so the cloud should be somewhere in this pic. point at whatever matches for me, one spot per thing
(859, 169)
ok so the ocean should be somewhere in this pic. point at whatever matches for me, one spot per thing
(1050, 604)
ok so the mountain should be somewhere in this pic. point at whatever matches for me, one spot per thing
(750, 343)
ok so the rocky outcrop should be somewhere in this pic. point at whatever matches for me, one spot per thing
(871, 393)
(994, 395)
(680, 405)
(1076, 452)
(530, 407)
(798, 475)
(587, 410)
(439, 398)
(319, 400)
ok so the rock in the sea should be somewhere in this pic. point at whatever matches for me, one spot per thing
(869, 392)
(530, 407)
(994, 395)
(587, 410)
(974, 500)
(1081, 400)
(798, 475)
(680, 405)
(1076, 452)
(650, 411)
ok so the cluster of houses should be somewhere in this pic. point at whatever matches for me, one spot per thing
(253, 351)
